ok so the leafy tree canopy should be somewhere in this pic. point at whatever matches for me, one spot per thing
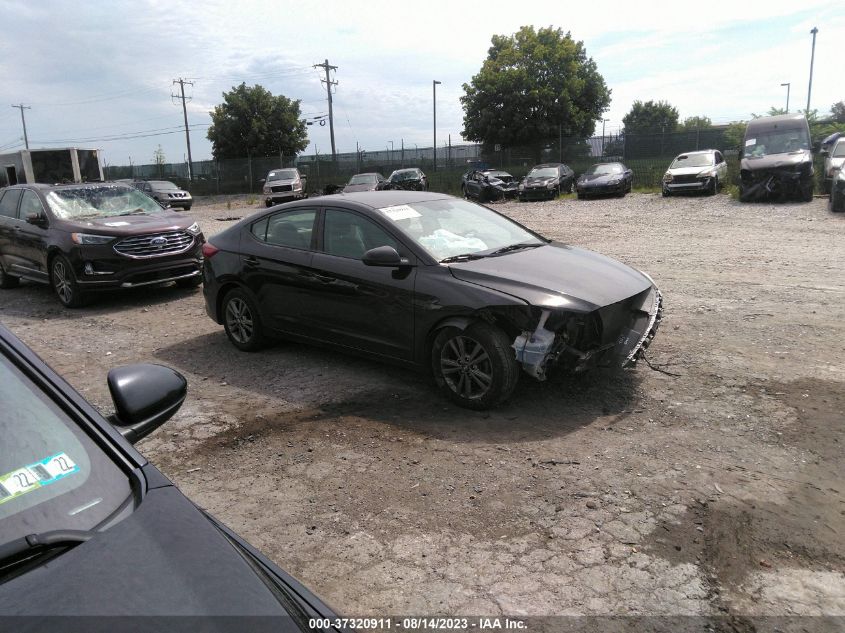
(251, 121)
(838, 111)
(531, 83)
(696, 123)
(650, 118)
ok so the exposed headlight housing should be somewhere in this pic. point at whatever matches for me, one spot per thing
(707, 173)
(521, 186)
(667, 177)
(89, 239)
(266, 189)
(550, 185)
(194, 228)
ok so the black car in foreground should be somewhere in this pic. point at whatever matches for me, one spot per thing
(488, 185)
(428, 281)
(604, 179)
(93, 237)
(88, 527)
(546, 182)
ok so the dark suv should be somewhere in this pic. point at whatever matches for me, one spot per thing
(94, 236)
(166, 193)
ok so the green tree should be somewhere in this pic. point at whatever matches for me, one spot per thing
(838, 111)
(696, 123)
(251, 121)
(735, 134)
(534, 88)
(651, 118)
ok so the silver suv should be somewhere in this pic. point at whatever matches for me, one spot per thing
(704, 170)
(834, 160)
(282, 185)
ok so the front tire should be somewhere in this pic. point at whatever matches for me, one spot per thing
(64, 283)
(807, 192)
(475, 367)
(242, 321)
(713, 188)
(8, 281)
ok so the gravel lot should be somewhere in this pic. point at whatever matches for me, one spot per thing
(712, 486)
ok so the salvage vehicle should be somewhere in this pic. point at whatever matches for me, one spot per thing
(86, 238)
(284, 185)
(488, 184)
(366, 182)
(90, 528)
(429, 281)
(834, 160)
(166, 193)
(412, 179)
(703, 170)
(836, 202)
(604, 179)
(546, 182)
(775, 160)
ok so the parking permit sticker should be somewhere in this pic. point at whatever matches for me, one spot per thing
(36, 475)
(400, 212)
(751, 141)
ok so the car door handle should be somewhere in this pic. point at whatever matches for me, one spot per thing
(252, 262)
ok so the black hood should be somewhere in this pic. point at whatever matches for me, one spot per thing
(598, 179)
(793, 161)
(556, 275)
(165, 559)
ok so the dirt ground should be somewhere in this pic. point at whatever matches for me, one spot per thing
(709, 486)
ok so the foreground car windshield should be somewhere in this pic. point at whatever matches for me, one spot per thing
(778, 142)
(695, 160)
(604, 169)
(52, 475)
(546, 172)
(97, 202)
(282, 174)
(451, 227)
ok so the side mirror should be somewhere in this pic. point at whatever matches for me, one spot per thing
(37, 219)
(145, 396)
(384, 256)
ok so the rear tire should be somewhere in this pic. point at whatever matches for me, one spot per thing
(475, 367)
(8, 281)
(242, 321)
(64, 283)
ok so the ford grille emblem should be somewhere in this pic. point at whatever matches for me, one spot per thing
(158, 241)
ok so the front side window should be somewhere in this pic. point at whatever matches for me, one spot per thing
(79, 203)
(52, 475)
(30, 204)
(350, 235)
(451, 227)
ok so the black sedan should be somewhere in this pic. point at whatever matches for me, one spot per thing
(546, 182)
(89, 528)
(428, 281)
(605, 179)
(488, 184)
(366, 182)
(411, 179)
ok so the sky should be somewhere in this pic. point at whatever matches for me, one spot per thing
(98, 74)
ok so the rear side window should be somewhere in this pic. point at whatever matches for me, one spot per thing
(292, 229)
(9, 203)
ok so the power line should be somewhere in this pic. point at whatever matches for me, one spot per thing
(22, 107)
(130, 135)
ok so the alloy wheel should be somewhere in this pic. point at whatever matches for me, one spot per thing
(62, 282)
(466, 367)
(239, 320)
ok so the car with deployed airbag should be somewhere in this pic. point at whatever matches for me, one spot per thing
(90, 529)
(427, 281)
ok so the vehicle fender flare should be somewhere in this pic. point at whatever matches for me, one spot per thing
(224, 289)
(459, 322)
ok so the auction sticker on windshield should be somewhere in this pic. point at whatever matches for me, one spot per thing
(400, 212)
(36, 475)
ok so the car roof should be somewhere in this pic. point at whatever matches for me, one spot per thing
(547, 165)
(381, 199)
(698, 151)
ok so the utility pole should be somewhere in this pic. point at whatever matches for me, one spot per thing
(812, 59)
(434, 83)
(22, 107)
(329, 83)
(181, 96)
(787, 84)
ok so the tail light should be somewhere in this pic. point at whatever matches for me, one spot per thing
(209, 250)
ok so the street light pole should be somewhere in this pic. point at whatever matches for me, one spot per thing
(812, 59)
(603, 121)
(787, 84)
(391, 152)
(434, 83)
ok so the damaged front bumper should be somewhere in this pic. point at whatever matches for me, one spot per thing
(613, 336)
(774, 184)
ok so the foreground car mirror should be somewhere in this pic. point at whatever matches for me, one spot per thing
(384, 256)
(37, 219)
(145, 396)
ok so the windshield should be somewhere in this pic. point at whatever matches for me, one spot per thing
(692, 160)
(363, 179)
(282, 174)
(52, 475)
(162, 185)
(501, 175)
(100, 202)
(776, 142)
(450, 227)
(408, 174)
(605, 168)
(838, 150)
(545, 172)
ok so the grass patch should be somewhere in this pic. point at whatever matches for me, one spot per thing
(647, 189)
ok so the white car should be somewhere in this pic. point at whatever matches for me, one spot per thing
(834, 160)
(703, 170)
